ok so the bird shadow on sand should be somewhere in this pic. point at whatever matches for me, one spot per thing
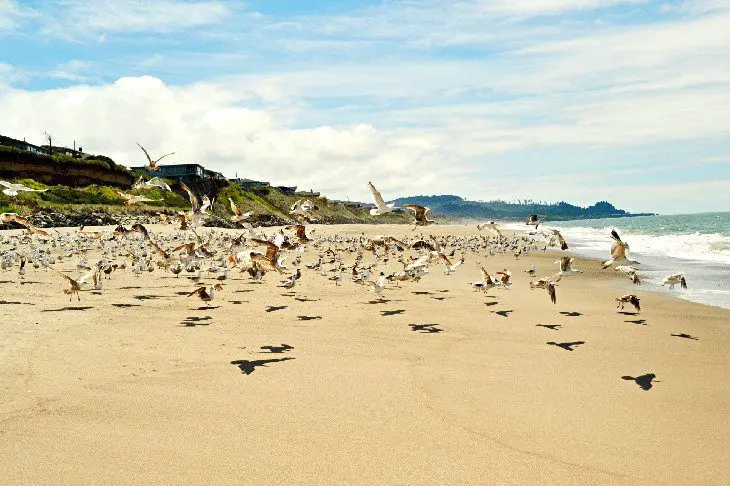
(554, 327)
(149, 297)
(644, 381)
(124, 306)
(237, 302)
(182, 293)
(247, 367)
(243, 291)
(443, 291)
(685, 336)
(207, 307)
(130, 287)
(503, 313)
(426, 328)
(277, 349)
(193, 321)
(274, 308)
(290, 294)
(379, 301)
(489, 304)
(571, 314)
(568, 346)
(392, 312)
(640, 322)
(439, 298)
(28, 282)
(628, 313)
(304, 299)
(7, 302)
(70, 308)
(6, 281)
(422, 292)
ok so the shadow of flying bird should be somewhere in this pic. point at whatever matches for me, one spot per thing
(247, 367)
(644, 381)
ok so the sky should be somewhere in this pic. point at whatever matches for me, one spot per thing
(554, 100)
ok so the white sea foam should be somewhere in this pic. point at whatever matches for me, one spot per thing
(711, 248)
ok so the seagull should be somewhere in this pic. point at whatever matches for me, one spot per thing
(152, 165)
(206, 294)
(289, 283)
(566, 267)
(238, 215)
(420, 213)
(630, 299)
(561, 240)
(672, 280)
(503, 277)
(644, 381)
(630, 272)
(75, 284)
(154, 182)
(378, 286)
(382, 206)
(491, 225)
(533, 220)
(531, 271)
(548, 284)
(619, 252)
(486, 282)
(134, 199)
(302, 209)
(12, 189)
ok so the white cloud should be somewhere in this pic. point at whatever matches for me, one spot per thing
(71, 71)
(86, 17)
(10, 15)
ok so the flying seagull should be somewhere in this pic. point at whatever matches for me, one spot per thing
(672, 280)
(420, 213)
(619, 252)
(152, 164)
(629, 299)
(533, 220)
(382, 206)
(154, 182)
(12, 189)
(630, 272)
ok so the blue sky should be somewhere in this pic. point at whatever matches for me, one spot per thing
(577, 100)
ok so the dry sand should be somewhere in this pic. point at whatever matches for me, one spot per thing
(117, 389)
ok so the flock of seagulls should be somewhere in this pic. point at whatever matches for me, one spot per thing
(205, 254)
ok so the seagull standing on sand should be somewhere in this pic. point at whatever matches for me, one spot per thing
(382, 206)
(619, 252)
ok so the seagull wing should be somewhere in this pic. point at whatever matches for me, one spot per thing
(149, 159)
(379, 201)
(234, 208)
(193, 198)
(166, 155)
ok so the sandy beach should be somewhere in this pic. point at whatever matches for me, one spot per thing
(140, 384)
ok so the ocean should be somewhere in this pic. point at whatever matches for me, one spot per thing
(696, 244)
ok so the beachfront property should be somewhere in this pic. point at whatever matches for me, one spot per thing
(190, 174)
(21, 145)
(247, 183)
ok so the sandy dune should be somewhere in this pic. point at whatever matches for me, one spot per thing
(439, 384)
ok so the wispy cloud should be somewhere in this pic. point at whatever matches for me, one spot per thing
(72, 18)
(10, 14)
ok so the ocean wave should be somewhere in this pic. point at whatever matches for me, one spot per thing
(710, 247)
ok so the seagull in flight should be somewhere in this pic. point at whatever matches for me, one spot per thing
(629, 299)
(619, 252)
(152, 164)
(630, 272)
(675, 279)
(154, 182)
(382, 206)
(12, 189)
(420, 213)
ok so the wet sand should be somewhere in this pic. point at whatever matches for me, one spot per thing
(142, 385)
